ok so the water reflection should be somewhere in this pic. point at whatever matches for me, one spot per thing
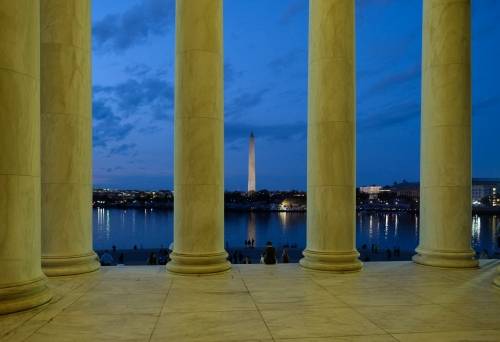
(251, 230)
(283, 215)
(396, 223)
(386, 226)
(126, 228)
(476, 229)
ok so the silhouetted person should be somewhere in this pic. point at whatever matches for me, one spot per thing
(114, 248)
(106, 259)
(253, 243)
(269, 254)
(284, 257)
(152, 259)
(121, 259)
(388, 254)
(135, 247)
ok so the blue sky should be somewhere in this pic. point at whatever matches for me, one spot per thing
(265, 47)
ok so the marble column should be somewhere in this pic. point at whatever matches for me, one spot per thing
(445, 166)
(199, 140)
(331, 146)
(66, 135)
(22, 283)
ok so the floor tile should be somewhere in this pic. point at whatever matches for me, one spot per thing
(108, 327)
(456, 294)
(370, 338)
(318, 323)
(211, 326)
(417, 318)
(454, 336)
(380, 296)
(295, 298)
(190, 301)
(103, 303)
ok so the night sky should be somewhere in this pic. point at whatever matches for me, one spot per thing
(266, 91)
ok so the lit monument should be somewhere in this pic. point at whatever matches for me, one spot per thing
(251, 164)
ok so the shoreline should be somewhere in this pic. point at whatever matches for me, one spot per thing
(476, 211)
(140, 256)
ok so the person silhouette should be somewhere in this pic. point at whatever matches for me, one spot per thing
(269, 254)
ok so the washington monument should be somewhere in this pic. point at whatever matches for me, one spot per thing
(251, 164)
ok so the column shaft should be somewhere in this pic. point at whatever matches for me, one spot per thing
(199, 140)
(331, 146)
(66, 134)
(22, 283)
(445, 169)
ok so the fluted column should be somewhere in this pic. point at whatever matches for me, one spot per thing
(66, 132)
(22, 283)
(445, 166)
(331, 146)
(199, 140)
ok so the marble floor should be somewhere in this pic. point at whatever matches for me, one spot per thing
(387, 301)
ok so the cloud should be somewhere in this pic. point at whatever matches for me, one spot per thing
(123, 149)
(236, 133)
(119, 32)
(391, 115)
(244, 102)
(230, 75)
(487, 105)
(393, 80)
(144, 93)
(108, 127)
(292, 11)
(116, 168)
(367, 3)
(285, 62)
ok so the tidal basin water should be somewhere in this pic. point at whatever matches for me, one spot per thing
(147, 228)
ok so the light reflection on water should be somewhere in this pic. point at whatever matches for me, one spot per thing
(151, 229)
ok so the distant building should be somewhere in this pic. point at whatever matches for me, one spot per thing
(485, 187)
(295, 203)
(407, 189)
(251, 164)
(481, 188)
(373, 190)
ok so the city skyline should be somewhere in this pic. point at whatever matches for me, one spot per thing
(266, 91)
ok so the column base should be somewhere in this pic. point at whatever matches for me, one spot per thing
(24, 296)
(331, 261)
(56, 266)
(463, 259)
(198, 263)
